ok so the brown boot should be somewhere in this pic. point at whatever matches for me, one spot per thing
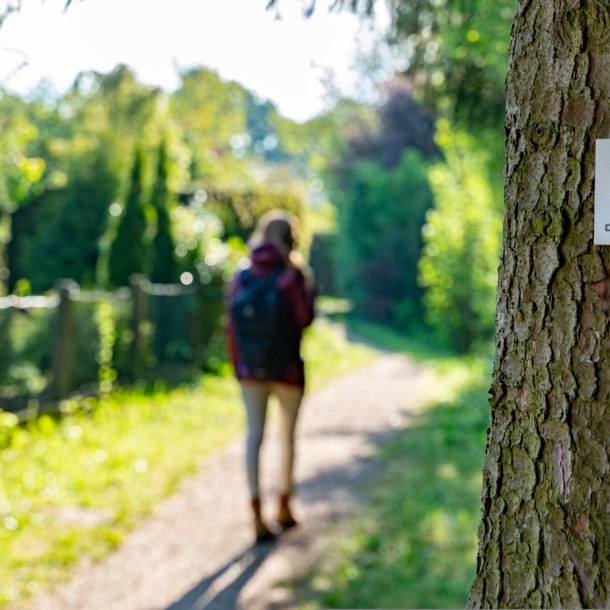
(284, 516)
(262, 531)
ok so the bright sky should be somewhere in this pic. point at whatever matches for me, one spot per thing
(279, 59)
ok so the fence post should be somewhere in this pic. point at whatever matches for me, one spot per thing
(138, 283)
(6, 344)
(62, 351)
(196, 328)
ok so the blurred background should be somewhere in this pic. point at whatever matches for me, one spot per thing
(384, 140)
(141, 141)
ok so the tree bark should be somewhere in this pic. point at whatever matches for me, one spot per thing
(544, 538)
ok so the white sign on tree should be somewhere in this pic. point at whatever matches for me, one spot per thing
(602, 193)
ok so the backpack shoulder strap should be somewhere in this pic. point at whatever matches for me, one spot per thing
(246, 276)
(276, 274)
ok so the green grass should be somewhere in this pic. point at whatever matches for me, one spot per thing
(328, 354)
(421, 344)
(413, 544)
(119, 455)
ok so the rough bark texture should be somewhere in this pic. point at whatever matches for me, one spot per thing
(545, 530)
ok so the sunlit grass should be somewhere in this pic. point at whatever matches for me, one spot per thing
(328, 354)
(116, 457)
(413, 543)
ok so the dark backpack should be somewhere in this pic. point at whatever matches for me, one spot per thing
(266, 337)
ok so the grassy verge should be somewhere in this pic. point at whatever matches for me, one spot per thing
(73, 487)
(328, 353)
(414, 543)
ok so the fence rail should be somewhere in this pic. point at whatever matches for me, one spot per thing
(35, 302)
(101, 296)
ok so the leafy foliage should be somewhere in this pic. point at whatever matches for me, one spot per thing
(463, 237)
(312, 144)
(260, 115)
(163, 263)
(457, 52)
(462, 48)
(402, 123)
(128, 252)
(68, 245)
(381, 213)
(83, 139)
(208, 113)
(240, 211)
(6, 355)
(64, 166)
(382, 195)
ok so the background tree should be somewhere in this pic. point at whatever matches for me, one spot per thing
(62, 159)
(211, 116)
(22, 170)
(128, 252)
(163, 262)
(381, 214)
(382, 194)
(68, 244)
(458, 266)
(260, 114)
(239, 211)
(460, 49)
(81, 140)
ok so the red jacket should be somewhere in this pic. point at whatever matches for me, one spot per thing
(291, 283)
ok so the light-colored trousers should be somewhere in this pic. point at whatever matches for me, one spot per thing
(256, 395)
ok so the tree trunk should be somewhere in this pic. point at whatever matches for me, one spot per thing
(544, 538)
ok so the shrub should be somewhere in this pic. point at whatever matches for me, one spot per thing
(458, 267)
(381, 213)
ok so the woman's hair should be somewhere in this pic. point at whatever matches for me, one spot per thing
(276, 227)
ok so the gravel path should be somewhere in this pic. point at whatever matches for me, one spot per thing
(196, 552)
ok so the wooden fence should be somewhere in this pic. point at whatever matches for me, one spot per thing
(65, 331)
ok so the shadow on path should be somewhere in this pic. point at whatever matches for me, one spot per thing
(221, 589)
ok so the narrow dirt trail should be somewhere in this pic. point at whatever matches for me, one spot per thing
(196, 552)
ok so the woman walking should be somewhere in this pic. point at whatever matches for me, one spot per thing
(270, 304)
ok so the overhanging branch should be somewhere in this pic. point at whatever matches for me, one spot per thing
(366, 6)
